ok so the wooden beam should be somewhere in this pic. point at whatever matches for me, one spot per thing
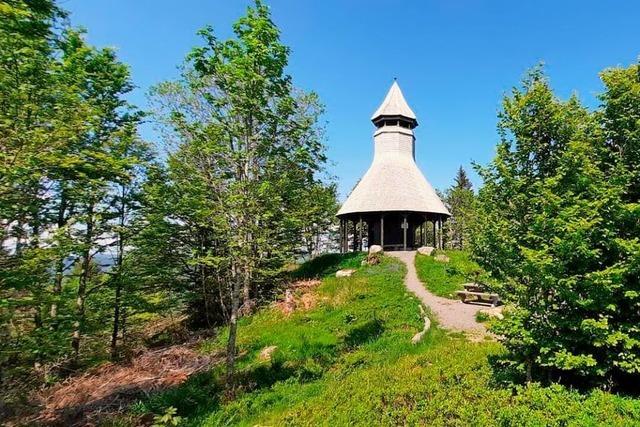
(382, 230)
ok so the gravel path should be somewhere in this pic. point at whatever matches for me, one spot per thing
(451, 314)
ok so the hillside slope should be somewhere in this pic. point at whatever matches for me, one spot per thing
(344, 357)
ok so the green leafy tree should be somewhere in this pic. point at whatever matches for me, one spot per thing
(64, 126)
(247, 147)
(552, 221)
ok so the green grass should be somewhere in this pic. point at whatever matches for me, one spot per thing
(444, 279)
(349, 361)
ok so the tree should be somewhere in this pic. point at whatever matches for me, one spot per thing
(460, 200)
(248, 146)
(318, 206)
(620, 117)
(552, 225)
(64, 127)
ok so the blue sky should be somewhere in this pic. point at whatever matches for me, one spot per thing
(454, 60)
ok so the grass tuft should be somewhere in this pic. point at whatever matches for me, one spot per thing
(445, 278)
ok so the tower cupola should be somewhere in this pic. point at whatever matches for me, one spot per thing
(394, 110)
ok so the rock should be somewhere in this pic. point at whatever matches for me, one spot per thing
(426, 250)
(493, 313)
(267, 352)
(347, 272)
(374, 249)
(373, 259)
(441, 258)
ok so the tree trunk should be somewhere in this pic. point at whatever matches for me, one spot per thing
(233, 325)
(82, 285)
(59, 275)
(116, 321)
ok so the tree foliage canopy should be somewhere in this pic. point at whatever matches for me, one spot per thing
(558, 223)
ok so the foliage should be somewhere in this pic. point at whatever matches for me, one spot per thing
(558, 224)
(350, 361)
(169, 418)
(70, 166)
(242, 181)
(459, 199)
(445, 278)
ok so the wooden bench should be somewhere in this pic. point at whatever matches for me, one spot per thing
(474, 287)
(493, 299)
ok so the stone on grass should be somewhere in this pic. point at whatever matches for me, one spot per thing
(426, 250)
(347, 272)
(374, 249)
(441, 258)
(267, 353)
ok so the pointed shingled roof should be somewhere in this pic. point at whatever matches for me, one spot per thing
(394, 105)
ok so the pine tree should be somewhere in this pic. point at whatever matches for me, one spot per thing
(460, 201)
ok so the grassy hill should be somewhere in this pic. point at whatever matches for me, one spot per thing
(345, 358)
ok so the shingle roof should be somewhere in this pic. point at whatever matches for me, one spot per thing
(393, 182)
(394, 104)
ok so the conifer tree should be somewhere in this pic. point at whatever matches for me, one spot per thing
(460, 200)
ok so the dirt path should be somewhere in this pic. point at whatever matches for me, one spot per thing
(451, 314)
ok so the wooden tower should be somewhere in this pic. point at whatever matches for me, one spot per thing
(393, 205)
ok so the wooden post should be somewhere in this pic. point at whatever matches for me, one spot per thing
(382, 231)
(440, 240)
(435, 242)
(404, 231)
(424, 231)
(360, 234)
(341, 235)
(345, 236)
(355, 236)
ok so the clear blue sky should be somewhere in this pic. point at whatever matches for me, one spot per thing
(454, 59)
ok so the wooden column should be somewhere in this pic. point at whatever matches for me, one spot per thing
(346, 235)
(424, 231)
(341, 235)
(360, 234)
(404, 231)
(382, 231)
(435, 242)
(355, 235)
(441, 233)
